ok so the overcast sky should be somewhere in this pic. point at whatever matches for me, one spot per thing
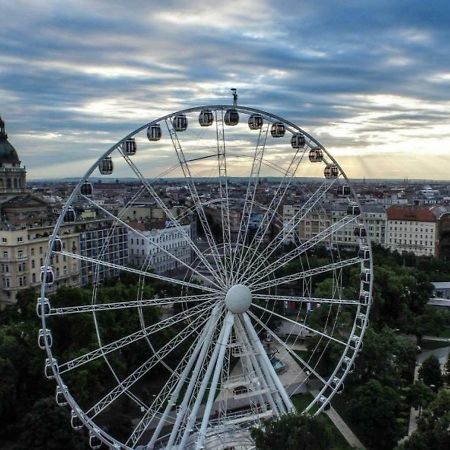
(370, 79)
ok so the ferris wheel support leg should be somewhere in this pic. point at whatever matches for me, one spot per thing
(223, 338)
(183, 407)
(259, 373)
(267, 364)
(229, 320)
(276, 398)
(202, 342)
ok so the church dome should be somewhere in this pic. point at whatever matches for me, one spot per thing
(8, 153)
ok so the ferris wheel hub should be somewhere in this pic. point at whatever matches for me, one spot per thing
(238, 299)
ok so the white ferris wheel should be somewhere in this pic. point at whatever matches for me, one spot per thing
(258, 281)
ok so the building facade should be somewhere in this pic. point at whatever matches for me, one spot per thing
(413, 229)
(146, 250)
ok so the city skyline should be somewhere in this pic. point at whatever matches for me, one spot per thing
(370, 82)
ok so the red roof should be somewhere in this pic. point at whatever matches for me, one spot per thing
(414, 214)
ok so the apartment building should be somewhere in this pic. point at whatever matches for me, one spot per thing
(329, 213)
(23, 253)
(413, 229)
(153, 248)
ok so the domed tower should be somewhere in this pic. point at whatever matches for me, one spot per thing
(12, 176)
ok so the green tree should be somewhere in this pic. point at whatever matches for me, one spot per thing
(374, 409)
(433, 426)
(447, 370)
(419, 395)
(47, 427)
(430, 373)
(385, 356)
(293, 432)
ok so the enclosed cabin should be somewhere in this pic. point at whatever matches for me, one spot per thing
(361, 320)
(343, 190)
(154, 132)
(75, 421)
(50, 366)
(316, 155)
(47, 275)
(331, 171)
(364, 298)
(206, 118)
(277, 130)
(255, 122)
(364, 253)
(355, 341)
(86, 189)
(325, 403)
(337, 385)
(69, 215)
(365, 275)
(347, 364)
(353, 209)
(129, 147)
(106, 166)
(360, 231)
(94, 441)
(44, 339)
(180, 122)
(298, 140)
(57, 245)
(59, 396)
(42, 307)
(231, 117)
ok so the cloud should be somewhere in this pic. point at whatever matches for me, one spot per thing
(366, 78)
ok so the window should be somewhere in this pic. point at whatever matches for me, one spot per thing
(33, 277)
(4, 240)
(32, 251)
(20, 253)
(40, 250)
(20, 239)
(32, 264)
(5, 254)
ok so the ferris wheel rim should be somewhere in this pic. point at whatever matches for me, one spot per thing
(243, 109)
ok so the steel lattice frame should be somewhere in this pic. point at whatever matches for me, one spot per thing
(194, 409)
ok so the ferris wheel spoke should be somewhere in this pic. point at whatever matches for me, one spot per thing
(300, 325)
(250, 193)
(134, 337)
(223, 194)
(144, 368)
(154, 243)
(306, 274)
(260, 272)
(172, 218)
(129, 304)
(287, 348)
(169, 395)
(275, 203)
(143, 273)
(316, 300)
(221, 273)
(289, 227)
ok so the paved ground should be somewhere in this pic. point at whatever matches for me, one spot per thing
(343, 428)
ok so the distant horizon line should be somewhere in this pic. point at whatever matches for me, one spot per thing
(180, 179)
